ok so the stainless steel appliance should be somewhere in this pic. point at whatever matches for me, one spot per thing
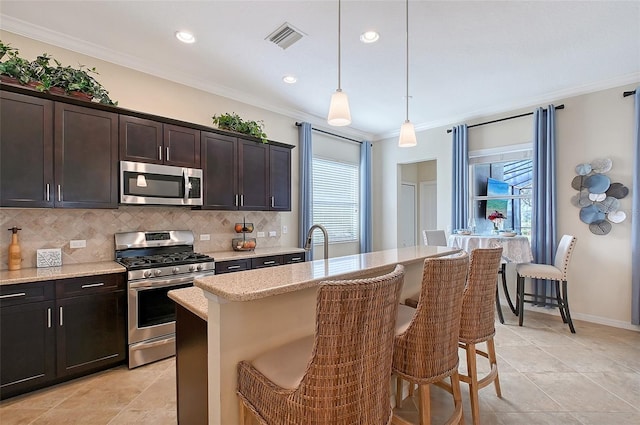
(156, 263)
(154, 184)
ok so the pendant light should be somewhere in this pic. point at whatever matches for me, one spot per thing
(339, 113)
(407, 132)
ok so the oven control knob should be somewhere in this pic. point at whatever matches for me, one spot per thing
(192, 268)
(176, 270)
(199, 267)
(157, 272)
(146, 273)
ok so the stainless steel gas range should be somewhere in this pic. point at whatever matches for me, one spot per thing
(156, 262)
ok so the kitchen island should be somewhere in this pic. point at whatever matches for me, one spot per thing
(252, 311)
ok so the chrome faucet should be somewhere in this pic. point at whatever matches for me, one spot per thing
(307, 246)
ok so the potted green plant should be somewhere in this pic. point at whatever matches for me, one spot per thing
(233, 122)
(14, 69)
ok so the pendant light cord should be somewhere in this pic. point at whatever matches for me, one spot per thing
(339, 53)
(407, 69)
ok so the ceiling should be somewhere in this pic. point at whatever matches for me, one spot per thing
(468, 59)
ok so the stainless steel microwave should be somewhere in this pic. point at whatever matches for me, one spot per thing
(154, 184)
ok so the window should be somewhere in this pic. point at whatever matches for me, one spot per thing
(336, 200)
(502, 184)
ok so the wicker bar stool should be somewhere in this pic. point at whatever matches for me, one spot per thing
(341, 374)
(432, 327)
(477, 323)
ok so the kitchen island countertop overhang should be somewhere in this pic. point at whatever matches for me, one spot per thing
(261, 283)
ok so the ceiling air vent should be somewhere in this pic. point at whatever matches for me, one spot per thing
(285, 35)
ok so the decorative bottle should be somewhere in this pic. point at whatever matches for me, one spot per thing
(15, 254)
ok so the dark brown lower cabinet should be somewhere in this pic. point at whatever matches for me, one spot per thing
(27, 347)
(52, 331)
(191, 367)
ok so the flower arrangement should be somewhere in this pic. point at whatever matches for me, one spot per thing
(234, 123)
(496, 218)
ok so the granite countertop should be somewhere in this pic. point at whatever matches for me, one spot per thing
(261, 283)
(35, 274)
(258, 252)
(192, 299)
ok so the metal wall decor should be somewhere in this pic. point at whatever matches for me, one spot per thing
(598, 198)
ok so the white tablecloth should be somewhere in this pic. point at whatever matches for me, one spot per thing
(515, 249)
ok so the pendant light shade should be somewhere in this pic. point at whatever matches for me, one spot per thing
(407, 135)
(407, 131)
(339, 113)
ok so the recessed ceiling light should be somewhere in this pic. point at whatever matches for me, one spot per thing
(369, 37)
(185, 37)
(289, 79)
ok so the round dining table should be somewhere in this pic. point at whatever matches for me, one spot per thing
(515, 249)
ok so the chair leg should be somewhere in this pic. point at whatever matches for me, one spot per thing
(458, 417)
(499, 307)
(398, 391)
(472, 373)
(493, 362)
(424, 407)
(565, 302)
(520, 300)
(245, 417)
(560, 302)
(503, 271)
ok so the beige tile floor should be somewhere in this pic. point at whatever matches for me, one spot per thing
(548, 376)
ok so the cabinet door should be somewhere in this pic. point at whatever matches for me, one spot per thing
(26, 151)
(294, 258)
(86, 157)
(280, 178)
(27, 347)
(231, 266)
(140, 140)
(253, 183)
(181, 146)
(270, 261)
(220, 170)
(91, 332)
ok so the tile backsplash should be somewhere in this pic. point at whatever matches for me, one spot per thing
(55, 228)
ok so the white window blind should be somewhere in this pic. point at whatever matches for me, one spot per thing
(335, 200)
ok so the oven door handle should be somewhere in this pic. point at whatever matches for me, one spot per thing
(152, 284)
(146, 345)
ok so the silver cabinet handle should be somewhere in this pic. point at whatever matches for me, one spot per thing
(59, 193)
(61, 317)
(46, 194)
(48, 318)
(236, 203)
(160, 153)
(16, 295)
(272, 201)
(266, 263)
(296, 258)
(167, 156)
(233, 267)
(92, 285)
(242, 200)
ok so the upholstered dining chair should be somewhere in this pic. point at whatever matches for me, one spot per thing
(477, 323)
(341, 374)
(426, 342)
(555, 273)
(434, 237)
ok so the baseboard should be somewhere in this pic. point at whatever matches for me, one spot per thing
(580, 316)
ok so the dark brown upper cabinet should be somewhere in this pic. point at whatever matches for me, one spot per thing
(245, 175)
(280, 178)
(55, 154)
(144, 140)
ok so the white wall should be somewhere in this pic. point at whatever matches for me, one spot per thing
(596, 125)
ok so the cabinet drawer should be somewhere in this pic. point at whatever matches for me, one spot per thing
(260, 262)
(26, 293)
(295, 258)
(89, 285)
(232, 266)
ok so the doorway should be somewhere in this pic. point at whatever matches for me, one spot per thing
(407, 215)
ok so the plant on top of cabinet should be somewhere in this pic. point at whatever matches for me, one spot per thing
(56, 79)
(233, 122)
